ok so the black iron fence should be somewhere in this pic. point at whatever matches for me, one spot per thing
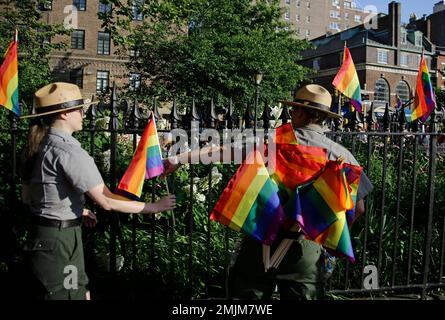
(399, 242)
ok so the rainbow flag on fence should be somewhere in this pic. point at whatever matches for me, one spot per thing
(9, 80)
(424, 101)
(320, 207)
(146, 163)
(346, 81)
(250, 202)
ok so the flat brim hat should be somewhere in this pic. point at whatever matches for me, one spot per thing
(314, 97)
(57, 97)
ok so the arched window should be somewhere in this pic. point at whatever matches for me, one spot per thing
(402, 90)
(381, 92)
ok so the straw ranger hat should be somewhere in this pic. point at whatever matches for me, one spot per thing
(314, 97)
(57, 97)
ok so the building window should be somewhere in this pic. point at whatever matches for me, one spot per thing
(76, 77)
(45, 5)
(135, 81)
(336, 3)
(353, 5)
(78, 39)
(347, 5)
(419, 40)
(334, 26)
(443, 70)
(297, 31)
(402, 90)
(404, 59)
(102, 81)
(81, 5)
(308, 5)
(308, 19)
(308, 33)
(297, 18)
(346, 16)
(136, 9)
(43, 38)
(381, 92)
(297, 3)
(103, 43)
(382, 56)
(287, 1)
(357, 18)
(134, 52)
(105, 8)
(316, 64)
(403, 36)
(334, 14)
(287, 15)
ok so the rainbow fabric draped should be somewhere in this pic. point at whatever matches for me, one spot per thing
(346, 81)
(320, 207)
(250, 202)
(424, 101)
(9, 80)
(146, 163)
(285, 134)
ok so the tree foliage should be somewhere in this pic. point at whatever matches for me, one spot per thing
(209, 48)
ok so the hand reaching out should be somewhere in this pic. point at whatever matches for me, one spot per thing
(166, 203)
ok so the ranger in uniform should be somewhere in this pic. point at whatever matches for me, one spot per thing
(305, 268)
(57, 173)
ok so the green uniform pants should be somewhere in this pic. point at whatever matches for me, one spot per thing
(55, 257)
(300, 276)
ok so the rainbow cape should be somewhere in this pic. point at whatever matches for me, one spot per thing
(146, 163)
(321, 205)
(346, 81)
(9, 80)
(250, 202)
(424, 101)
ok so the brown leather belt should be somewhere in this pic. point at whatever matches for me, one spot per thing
(61, 224)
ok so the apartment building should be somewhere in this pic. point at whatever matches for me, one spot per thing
(313, 18)
(90, 60)
(386, 58)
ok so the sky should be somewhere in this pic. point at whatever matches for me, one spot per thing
(420, 7)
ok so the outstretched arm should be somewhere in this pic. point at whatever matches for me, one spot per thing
(110, 201)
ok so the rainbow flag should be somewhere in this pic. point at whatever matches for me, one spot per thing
(320, 208)
(424, 101)
(294, 165)
(285, 134)
(146, 163)
(9, 80)
(346, 81)
(353, 174)
(250, 202)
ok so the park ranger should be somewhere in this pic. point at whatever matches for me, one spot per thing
(303, 272)
(57, 173)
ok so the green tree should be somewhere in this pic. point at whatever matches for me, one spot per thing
(209, 48)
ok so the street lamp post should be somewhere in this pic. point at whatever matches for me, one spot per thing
(257, 77)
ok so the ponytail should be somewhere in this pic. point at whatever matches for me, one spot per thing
(37, 132)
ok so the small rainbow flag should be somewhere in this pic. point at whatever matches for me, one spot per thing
(250, 202)
(353, 174)
(146, 163)
(320, 207)
(9, 80)
(285, 134)
(424, 101)
(346, 81)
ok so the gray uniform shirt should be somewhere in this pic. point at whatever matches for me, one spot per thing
(313, 135)
(62, 173)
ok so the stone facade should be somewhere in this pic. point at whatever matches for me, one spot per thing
(86, 65)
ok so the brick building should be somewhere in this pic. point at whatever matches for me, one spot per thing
(386, 58)
(313, 18)
(90, 59)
